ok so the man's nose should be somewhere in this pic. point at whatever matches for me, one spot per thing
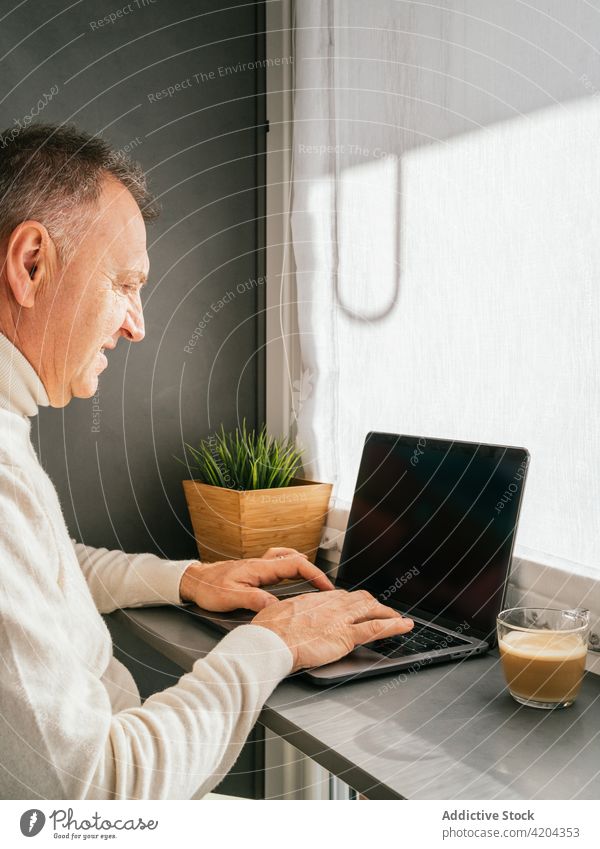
(133, 327)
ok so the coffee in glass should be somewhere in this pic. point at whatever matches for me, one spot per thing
(543, 654)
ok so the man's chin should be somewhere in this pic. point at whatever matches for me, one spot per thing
(88, 389)
(86, 386)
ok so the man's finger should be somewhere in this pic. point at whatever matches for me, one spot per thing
(272, 571)
(282, 552)
(375, 611)
(379, 629)
(299, 567)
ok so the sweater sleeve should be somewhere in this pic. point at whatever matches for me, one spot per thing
(184, 740)
(60, 739)
(118, 580)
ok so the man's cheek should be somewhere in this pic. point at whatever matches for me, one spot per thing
(109, 305)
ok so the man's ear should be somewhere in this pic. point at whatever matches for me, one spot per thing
(30, 261)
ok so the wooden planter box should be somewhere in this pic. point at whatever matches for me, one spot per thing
(230, 524)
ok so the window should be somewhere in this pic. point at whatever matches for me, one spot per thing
(446, 234)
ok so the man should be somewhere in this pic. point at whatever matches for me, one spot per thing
(72, 265)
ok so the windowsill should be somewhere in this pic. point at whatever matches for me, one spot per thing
(569, 567)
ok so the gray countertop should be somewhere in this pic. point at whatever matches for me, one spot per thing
(445, 732)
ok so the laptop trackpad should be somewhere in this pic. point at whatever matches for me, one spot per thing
(356, 663)
(222, 621)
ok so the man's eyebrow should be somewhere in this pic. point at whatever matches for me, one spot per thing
(130, 274)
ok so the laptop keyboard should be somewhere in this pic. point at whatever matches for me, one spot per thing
(422, 638)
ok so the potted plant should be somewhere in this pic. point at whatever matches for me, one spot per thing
(245, 496)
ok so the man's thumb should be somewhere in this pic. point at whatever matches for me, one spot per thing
(257, 599)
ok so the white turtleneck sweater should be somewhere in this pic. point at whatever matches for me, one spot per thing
(71, 722)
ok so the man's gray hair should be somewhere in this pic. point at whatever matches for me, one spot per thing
(54, 174)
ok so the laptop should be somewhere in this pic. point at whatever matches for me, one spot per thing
(431, 532)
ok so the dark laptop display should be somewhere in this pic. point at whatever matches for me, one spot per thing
(432, 527)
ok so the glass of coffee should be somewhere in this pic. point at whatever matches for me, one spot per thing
(543, 654)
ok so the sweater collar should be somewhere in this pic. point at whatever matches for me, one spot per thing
(21, 390)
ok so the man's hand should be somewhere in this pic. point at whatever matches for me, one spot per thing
(319, 628)
(230, 584)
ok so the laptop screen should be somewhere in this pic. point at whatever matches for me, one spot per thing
(432, 527)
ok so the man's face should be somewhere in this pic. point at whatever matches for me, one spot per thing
(95, 300)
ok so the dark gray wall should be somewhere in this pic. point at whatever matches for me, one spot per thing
(111, 458)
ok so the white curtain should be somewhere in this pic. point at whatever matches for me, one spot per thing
(446, 233)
